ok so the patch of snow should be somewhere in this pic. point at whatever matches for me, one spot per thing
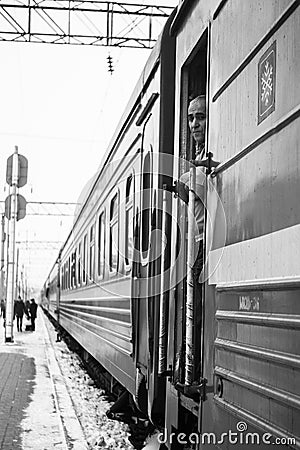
(91, 404)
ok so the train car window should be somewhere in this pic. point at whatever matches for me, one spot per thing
(114, 234)
(73, 270)
(66, 274)
(146, 205)
(62, 274)
(69, 272)
(92, 253)
(84, 259)
(194, 80)
(129, 221)
(101, 245)
(79, 265)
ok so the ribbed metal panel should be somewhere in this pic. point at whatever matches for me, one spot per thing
(257, 356)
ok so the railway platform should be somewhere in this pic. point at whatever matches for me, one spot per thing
(36, 411)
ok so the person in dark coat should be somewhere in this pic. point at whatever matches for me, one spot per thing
(19, 310)
(33, 312)
(2, 308)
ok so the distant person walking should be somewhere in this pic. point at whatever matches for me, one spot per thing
(2, 312)
(19, 310)
(33, 312)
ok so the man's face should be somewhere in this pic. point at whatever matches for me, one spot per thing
(197, 119)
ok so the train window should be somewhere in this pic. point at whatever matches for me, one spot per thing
(65, 284)
(63, 277)
(129, 222)
(146, 207)
(70, 268)
(79, 265)
(84, 259)
(66, 274)
(69, 272)
(73, 270)
(62, 274)
(114, 234)
(92, 253)
(101, 245)
(194, 80)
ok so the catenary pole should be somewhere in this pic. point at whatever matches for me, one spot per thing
(11, 282)
(18, 290)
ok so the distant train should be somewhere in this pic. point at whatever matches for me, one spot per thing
(119, 286)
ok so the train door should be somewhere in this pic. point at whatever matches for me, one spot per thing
(145, 224)
(251, 327)
(142, 281)
(183, 405)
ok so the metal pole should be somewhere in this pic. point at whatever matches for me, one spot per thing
(18, 287)
(189, 318)
(26, 288)
(6, 249)
(2, 257)
(164, 293)
(23, 282)
(11, 282)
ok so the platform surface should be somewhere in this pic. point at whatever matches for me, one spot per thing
(36, 411)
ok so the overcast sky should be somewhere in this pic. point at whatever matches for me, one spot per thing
(60, 106)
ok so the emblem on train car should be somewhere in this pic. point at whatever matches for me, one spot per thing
(266, 83)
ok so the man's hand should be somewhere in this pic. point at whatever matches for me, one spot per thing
(181, 190)
(208, 163)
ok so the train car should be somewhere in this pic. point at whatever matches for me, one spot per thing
(216, 365)
(105, 301)
(244, 390)
(50, 293)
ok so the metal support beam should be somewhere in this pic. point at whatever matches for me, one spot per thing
(47, 208)
(88, 22)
